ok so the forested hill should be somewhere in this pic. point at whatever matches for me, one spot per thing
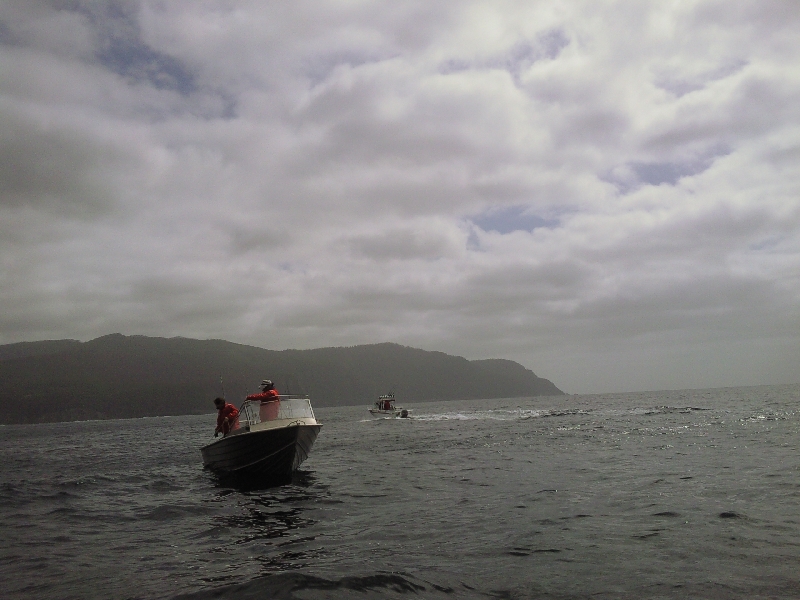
(119, 376)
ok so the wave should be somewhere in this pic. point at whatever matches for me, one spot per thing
(378, 585)
(498, 415)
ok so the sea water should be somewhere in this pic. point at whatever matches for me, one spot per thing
(682, 494)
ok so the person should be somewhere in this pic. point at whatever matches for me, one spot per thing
(227, 417)
(268, 392)
(269, 401)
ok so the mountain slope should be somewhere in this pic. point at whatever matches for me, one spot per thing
(118, 376)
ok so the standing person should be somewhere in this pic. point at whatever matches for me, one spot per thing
(269, 401)
(268, 392)
(227, 417)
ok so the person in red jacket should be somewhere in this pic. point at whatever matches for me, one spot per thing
(227, 417)
(269, 402)
(268, 392)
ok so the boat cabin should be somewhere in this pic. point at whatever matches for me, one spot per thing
(385, 402)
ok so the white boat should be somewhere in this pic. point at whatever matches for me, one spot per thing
(384, 407)
(272, 439)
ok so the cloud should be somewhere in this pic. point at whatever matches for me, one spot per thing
(605, 192)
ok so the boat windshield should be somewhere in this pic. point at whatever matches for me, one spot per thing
(289, 407)
(295, 408)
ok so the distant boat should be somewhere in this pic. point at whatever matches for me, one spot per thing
(272, 439)
(384, 406)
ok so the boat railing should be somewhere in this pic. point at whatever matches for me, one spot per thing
(289, 407)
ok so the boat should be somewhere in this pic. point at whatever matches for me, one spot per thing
(384, 407)
(270, 439)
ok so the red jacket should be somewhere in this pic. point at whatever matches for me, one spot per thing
(230, 412)
(268, 395)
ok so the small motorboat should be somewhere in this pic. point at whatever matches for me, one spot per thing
(384, 407)
(271, 439)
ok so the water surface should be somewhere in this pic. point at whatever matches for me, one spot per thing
(646, 495)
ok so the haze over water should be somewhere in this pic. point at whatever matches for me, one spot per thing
(641, 495)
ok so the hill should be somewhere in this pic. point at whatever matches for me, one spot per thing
(117, 376)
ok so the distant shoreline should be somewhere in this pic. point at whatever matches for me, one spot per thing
(123, 377)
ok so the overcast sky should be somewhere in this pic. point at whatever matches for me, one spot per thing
(607, 192)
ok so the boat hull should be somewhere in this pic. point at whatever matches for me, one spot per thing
(384, 413)
(275, 452)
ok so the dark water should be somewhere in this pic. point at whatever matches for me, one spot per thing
(652, 495)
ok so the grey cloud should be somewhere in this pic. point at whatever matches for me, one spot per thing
(770, 15)
(531, 285)
(177, 304)
(54, 168)
(588, 123)
(256, 237)
(318, 68)
(682, 246)
(704, 305)
(36, 24)
(506, 182)
(7, 35)
(756, 105)
(357, 131)
(401, 244)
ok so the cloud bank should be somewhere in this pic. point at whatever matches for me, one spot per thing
(607, 192)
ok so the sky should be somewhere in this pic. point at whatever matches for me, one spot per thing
(607, 192)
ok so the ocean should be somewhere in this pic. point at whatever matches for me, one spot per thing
(678, 494)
